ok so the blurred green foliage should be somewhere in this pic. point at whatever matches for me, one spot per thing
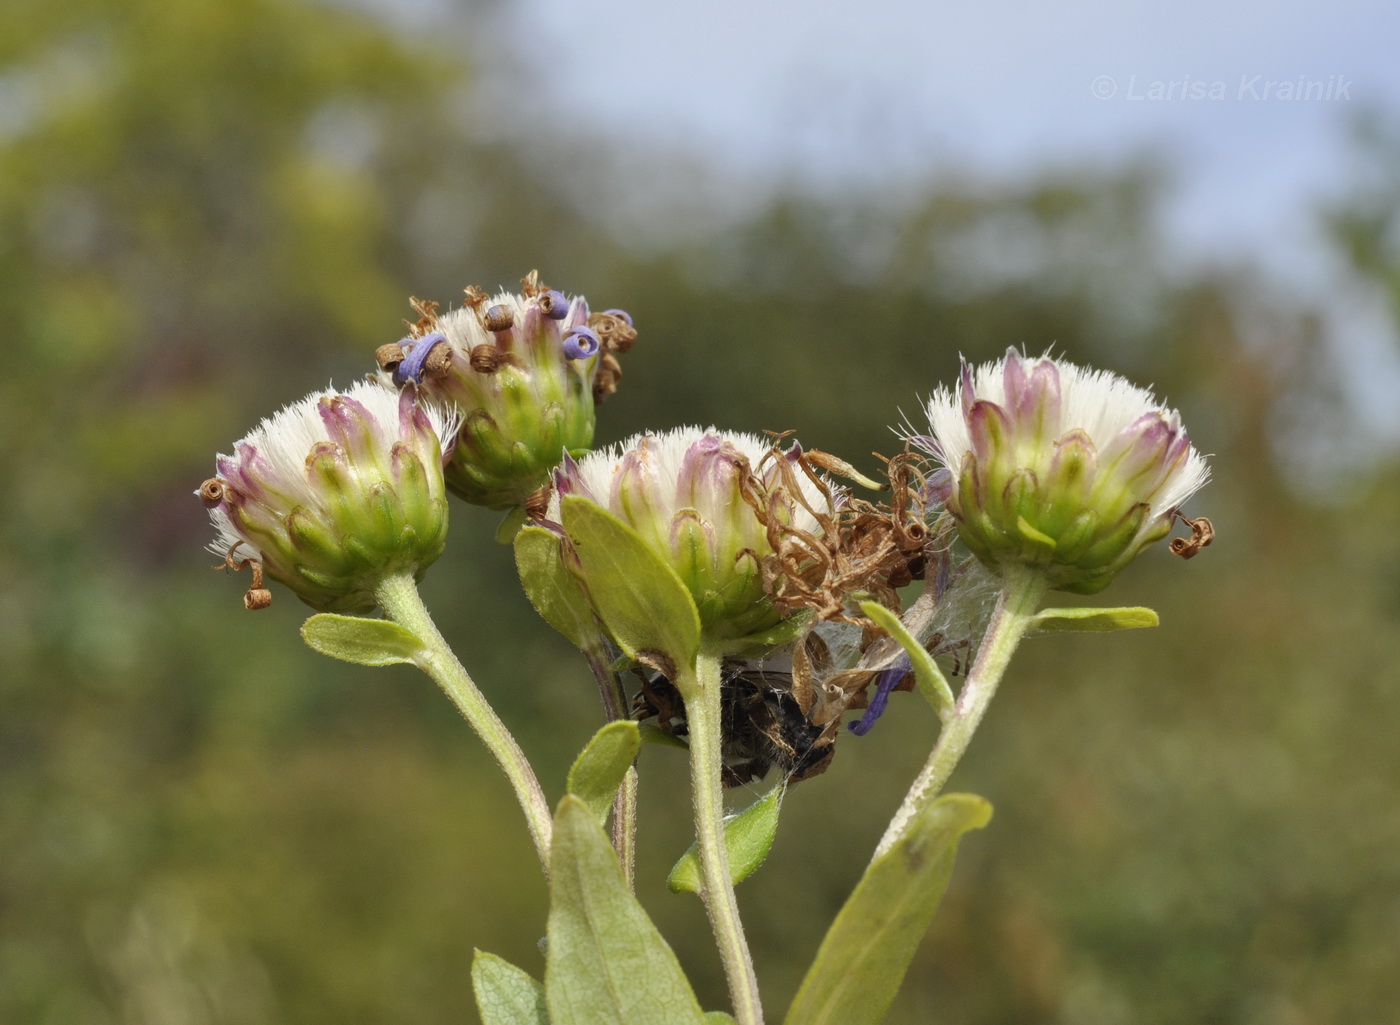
(209, 208)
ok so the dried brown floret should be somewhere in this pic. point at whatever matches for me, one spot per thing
(485, 358)
(1202, 534)
(389, 356)
(257, 596)
(607, 376)
(427, 316)
(861, 547)
(615, 334)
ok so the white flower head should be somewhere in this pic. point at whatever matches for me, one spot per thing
(1064, 468)
(335, 492)
(704, 501)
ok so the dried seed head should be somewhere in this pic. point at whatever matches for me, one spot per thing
(389, 356)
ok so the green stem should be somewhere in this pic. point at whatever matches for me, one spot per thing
(624, 826)
(1022, 589)
(398, 595)
(702, 709)
(624, 821)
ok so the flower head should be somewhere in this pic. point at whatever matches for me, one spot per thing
(1070, 470)
(709, 503)
(335, 493)
(524, 372)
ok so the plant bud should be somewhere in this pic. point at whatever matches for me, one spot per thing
(1069, 470)
(708, 503)
(335, 493)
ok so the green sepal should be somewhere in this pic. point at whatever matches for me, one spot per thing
(366, 642)
(748, 837)
(510, 525)
(598, 771)
(505, 994)
(554, 592)
(607, 964)
(640, 599)
(932, 683)
(868, 949)
(1061, 621)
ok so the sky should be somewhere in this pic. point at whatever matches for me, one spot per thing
(1248, 103)
(852, 90)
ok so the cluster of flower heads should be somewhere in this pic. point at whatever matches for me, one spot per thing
(343, 489)
(1033, 463)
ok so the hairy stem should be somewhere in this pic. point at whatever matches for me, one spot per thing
(717, 889)
(1022, 589)
(624, 821)
(398, 595)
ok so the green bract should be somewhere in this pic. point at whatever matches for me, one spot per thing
(1068, 470)
(335, 493)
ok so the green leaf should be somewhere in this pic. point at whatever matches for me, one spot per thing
(607, 963)
(552, 589)
(599, 768)
(867, 950)
(719, 1018)
(506, 995)
(748, 837)
(1059, 621)
(932, 683)
(638, 596)
(366, 642)
(656, 735)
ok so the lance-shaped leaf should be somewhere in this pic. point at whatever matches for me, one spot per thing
(867, 950)
(640, 599)
(607, 963)
(552, 589)
(506, 995)
(748, 837)
(932, 683)
(366, 642)
(600, 767)
(1057, 621)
